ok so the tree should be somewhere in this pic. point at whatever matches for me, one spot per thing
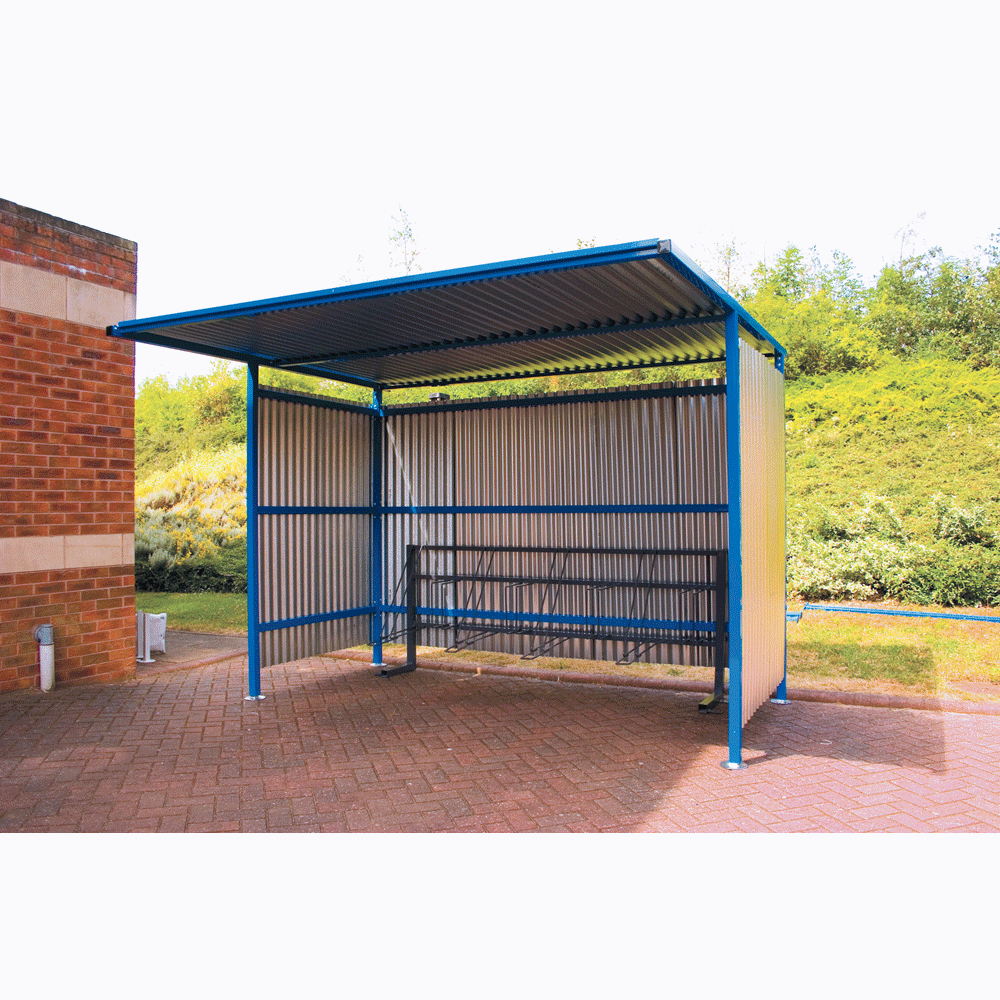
(403, 251)
(907, 236)
(814, 311)
(729, 263)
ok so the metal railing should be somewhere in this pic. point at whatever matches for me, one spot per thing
(632, 597)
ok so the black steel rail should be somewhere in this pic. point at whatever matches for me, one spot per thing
(553, 633)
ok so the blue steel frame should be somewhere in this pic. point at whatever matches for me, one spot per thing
(377, 608)
(253, 589)
(735, 526)
(781, 693)
(375, 571)
(735, 318)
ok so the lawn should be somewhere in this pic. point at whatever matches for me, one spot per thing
(928, 656)
(221, 614)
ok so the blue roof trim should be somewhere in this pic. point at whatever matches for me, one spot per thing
(406, 283)
(693, 273)
(649, 286)
(242, 357)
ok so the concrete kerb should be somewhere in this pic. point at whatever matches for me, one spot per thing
(861, 699)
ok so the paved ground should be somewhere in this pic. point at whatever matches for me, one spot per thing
(335, 748)
(185, 649)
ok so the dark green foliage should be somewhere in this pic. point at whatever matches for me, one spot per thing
(223, 573)
(207, 413)
(965, 576)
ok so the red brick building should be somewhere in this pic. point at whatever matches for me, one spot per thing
(66, 449)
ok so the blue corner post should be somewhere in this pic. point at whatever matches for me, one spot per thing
(378, 418)
(735, 541)
(253, 579)
(780, 696)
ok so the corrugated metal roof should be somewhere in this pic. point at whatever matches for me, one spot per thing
(625, 306)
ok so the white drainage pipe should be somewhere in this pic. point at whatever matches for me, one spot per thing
(46, 656)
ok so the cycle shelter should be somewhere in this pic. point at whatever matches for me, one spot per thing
(638, 522)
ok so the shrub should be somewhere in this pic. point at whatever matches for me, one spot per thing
(856, 553)
(225, 572)
(955, 575)
(848, 568)
(190, 531)
(960, 525)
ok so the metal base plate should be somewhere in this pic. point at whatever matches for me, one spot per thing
(728, 765)
(406, 668)
(255, 697)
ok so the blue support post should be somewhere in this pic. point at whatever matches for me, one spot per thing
(378, 417)
(733, 497)
(781, 693)
(253, 584)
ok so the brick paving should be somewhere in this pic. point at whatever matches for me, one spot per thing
(334, 748)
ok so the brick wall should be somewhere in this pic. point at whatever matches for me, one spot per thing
(66, 448)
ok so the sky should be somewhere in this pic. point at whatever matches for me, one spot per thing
(260, 149)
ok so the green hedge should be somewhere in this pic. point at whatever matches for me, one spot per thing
(225, 572)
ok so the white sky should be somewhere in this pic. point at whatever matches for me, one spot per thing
(256, 149)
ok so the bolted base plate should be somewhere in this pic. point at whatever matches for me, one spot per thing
(728, 765)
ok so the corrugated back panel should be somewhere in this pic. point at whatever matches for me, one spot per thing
(312, 564)
(762, 452)
(666, 450)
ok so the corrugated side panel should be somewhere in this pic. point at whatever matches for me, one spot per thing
(762, 452)
(312, 564)
(668, 450)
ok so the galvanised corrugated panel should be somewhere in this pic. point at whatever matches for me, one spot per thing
(578, 451)
(762, 452)
(630, 305)
(520, 357)
(312, 455)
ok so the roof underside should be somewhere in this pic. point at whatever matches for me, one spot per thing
(628, 306)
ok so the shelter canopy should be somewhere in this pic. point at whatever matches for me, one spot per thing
(634, 305)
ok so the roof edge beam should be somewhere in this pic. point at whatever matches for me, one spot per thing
(690, 271)
(332, 374)
(156, 340)
(548, 372)
(241, 357)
